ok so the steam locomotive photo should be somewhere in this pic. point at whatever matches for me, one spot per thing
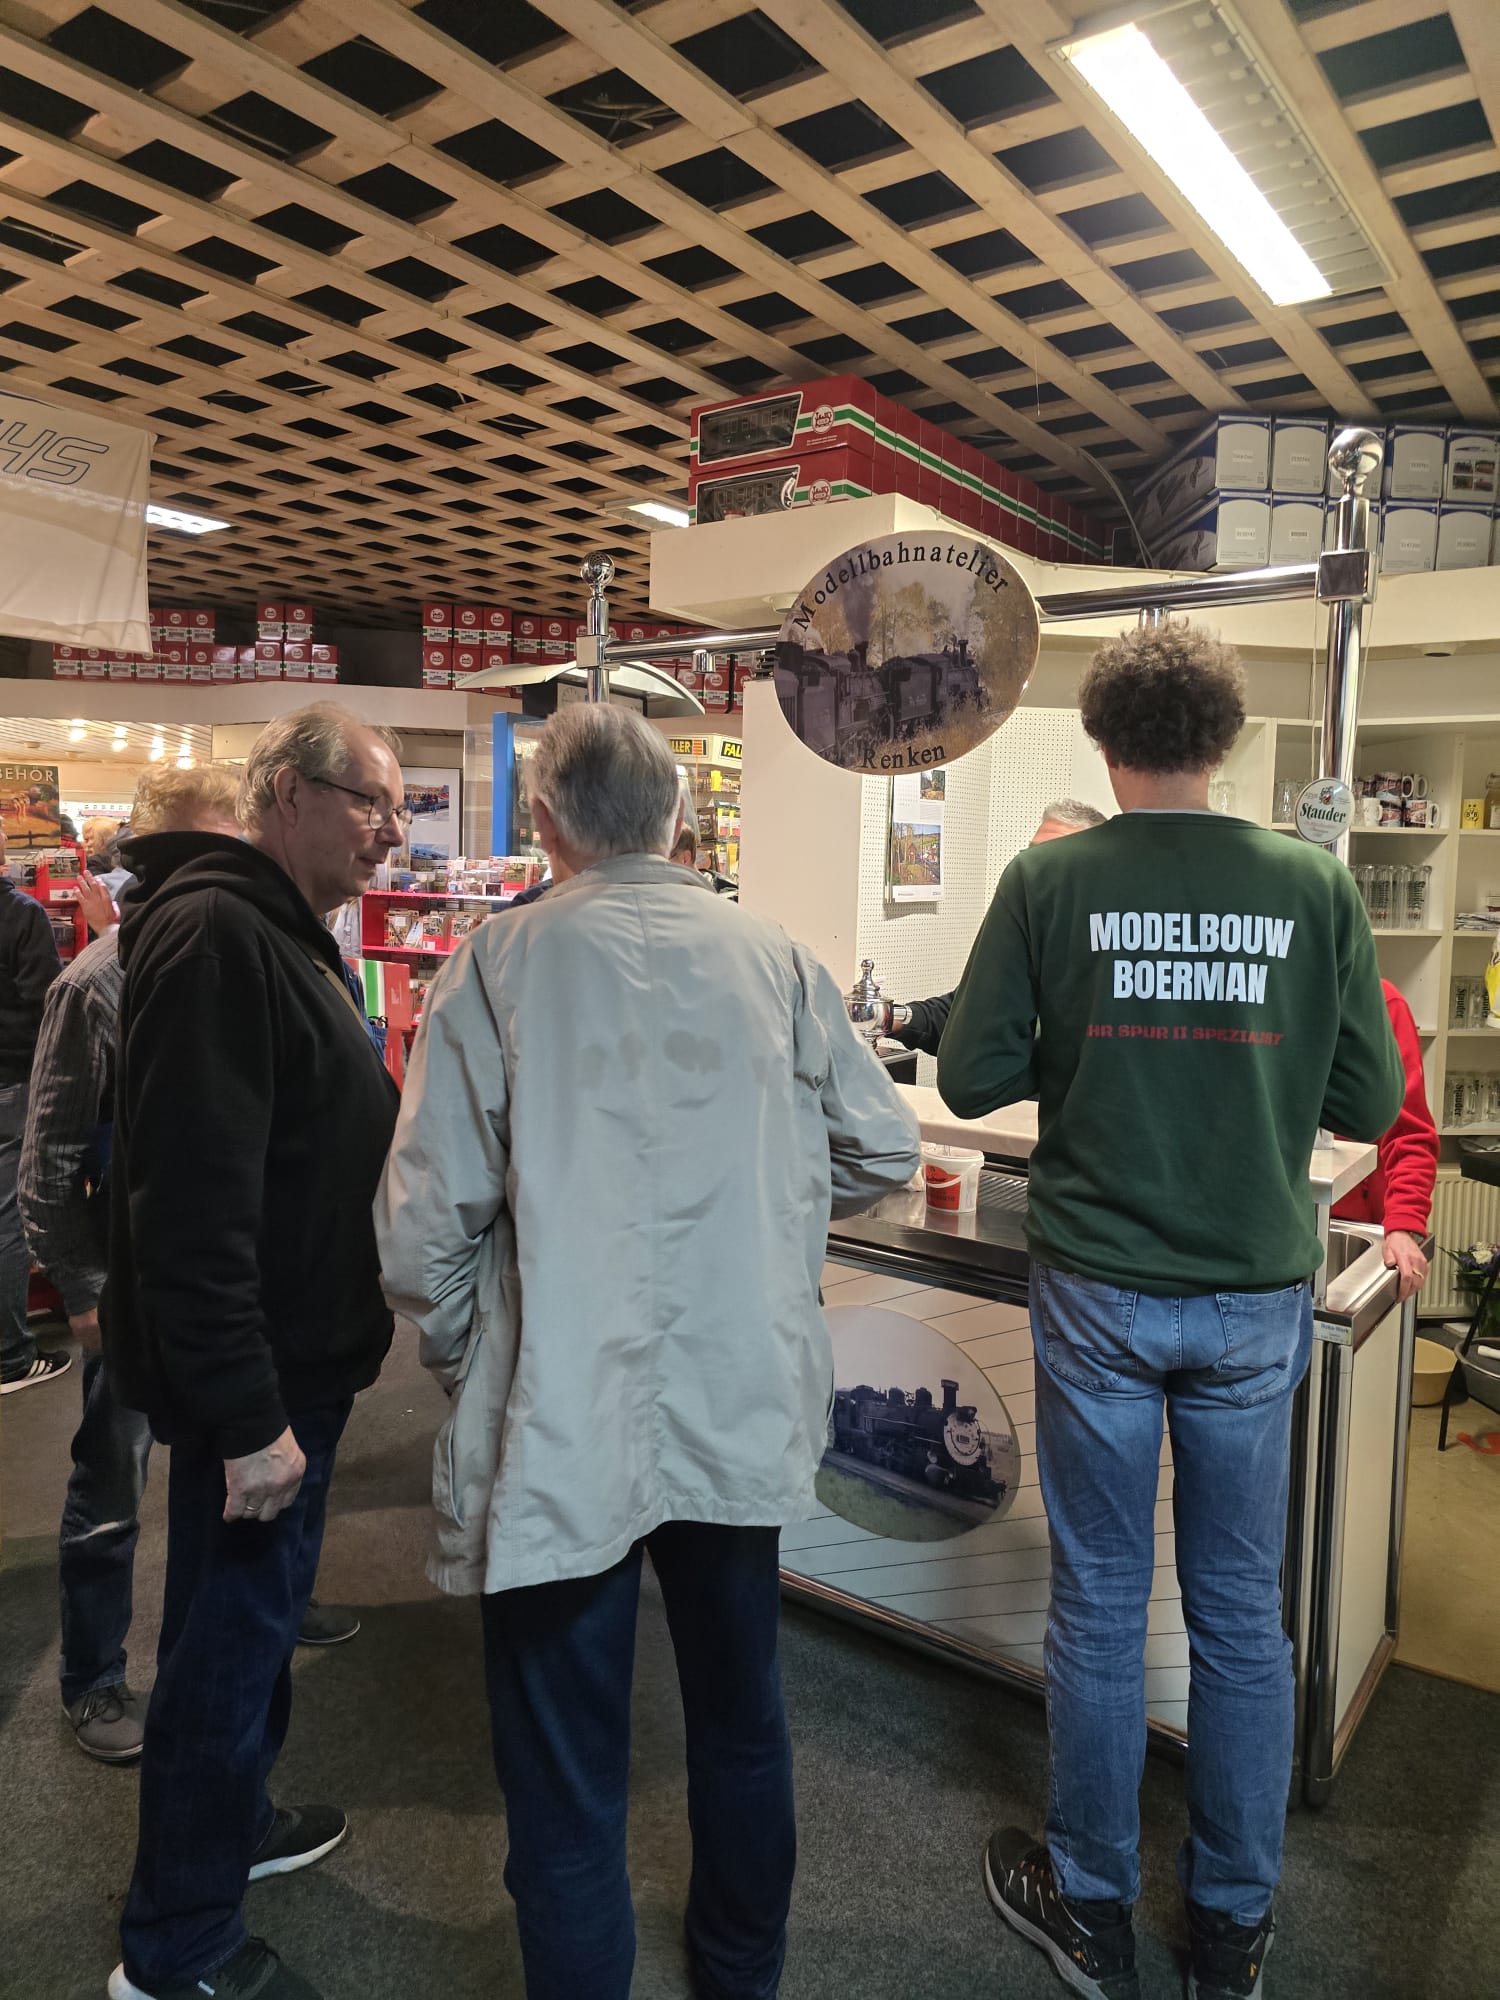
(946, 1449)
(845, 709)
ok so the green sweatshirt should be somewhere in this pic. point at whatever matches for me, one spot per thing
(1190, 997)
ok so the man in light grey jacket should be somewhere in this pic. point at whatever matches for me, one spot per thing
(631, 1112)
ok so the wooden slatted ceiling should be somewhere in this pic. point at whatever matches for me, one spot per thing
(415, 292)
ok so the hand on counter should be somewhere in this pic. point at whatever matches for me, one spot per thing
(1403, 1253)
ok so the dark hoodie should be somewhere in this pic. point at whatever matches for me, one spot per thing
(252, 1119)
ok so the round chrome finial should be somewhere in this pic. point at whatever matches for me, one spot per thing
(1355, 457)
(597, 570)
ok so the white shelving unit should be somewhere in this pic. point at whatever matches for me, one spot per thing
(1455, 759)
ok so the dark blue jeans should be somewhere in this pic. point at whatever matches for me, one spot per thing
(559, 1659)
(96, 1549)
(1224, 1367)
(232, 1606)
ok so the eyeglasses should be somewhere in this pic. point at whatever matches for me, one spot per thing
(377, 812)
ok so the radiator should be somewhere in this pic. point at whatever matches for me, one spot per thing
(1463, 1212)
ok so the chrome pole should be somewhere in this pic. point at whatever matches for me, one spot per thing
(597, 571)
(1353, 459)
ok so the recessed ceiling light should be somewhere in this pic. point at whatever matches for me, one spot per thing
(78, 731)
(183, 524)
(1123, 69)
(119, 745)
(120, 731)
(658, 510)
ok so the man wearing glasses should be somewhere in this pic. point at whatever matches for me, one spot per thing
(243, 1313)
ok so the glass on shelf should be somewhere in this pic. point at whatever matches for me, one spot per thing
(1491, 1111)
(1418, 887)
(1364, 877)
(1221, 795)
(1382, 896)
(1479, 1003)
(1458, 1002)
(1284, 807)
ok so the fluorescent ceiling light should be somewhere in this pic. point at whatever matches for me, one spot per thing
(184, 524)
(658, 510)
(1123, 69)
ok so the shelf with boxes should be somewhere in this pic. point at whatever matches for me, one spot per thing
(1248, 491)
(838, 438)
(428, 919)
(186, 648)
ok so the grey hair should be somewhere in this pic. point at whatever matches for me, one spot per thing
(608, 780)
(314, 742)
(1073, 812)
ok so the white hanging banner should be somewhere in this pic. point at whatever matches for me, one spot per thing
(73, 495)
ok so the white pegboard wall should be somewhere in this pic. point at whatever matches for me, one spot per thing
(1033, 764)
(996, 795)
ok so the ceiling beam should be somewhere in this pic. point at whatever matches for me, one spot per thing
(843, 47)
(1410, 288)
(1030, 29)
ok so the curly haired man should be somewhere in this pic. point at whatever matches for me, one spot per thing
(1189, 996)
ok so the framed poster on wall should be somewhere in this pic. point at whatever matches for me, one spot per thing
(30, 804)
(914, 868)
(431, 815)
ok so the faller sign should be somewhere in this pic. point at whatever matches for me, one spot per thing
(73, 494)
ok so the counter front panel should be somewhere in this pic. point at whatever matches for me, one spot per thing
(933, 1515)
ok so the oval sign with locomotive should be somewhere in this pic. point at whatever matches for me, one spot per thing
(920, 1446)
(907, 651)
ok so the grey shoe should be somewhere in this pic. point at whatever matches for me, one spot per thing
(110, 1723)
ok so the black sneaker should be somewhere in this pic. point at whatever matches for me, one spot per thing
(1092, 1945)
(1228, 1958)
(110, 1723)
(299, 1836)
(254, 1973)
(326, 1625)
(45, 1368)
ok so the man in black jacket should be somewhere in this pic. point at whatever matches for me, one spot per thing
(28, 965)
(243, 1313)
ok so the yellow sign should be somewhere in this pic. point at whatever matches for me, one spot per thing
(686, 746)
(731, 750)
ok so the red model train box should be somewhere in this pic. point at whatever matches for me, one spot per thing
(497, 621)
(492, 656)
(323, 655)
(437, 619)
(468, 656)
(826, 415)
(467, 619)
(269, 611)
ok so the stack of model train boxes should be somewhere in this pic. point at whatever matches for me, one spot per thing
(463, 639)
(1245, 492)
(182, 644)
(1441, 491)
(1249, 491)
(285, 645)
(840, 439)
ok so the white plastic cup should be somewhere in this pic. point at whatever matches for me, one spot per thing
(951, 1175)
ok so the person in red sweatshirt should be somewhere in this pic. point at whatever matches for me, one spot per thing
(1398, 1195)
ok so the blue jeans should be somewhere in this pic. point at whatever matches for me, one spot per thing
(17, 1348)
(558, 1660)
(231, 1610)
(96, 1549)
(1224, 1366)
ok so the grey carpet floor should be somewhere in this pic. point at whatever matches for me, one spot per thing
(903, 1765)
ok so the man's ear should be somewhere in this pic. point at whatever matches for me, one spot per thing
(286, 786)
